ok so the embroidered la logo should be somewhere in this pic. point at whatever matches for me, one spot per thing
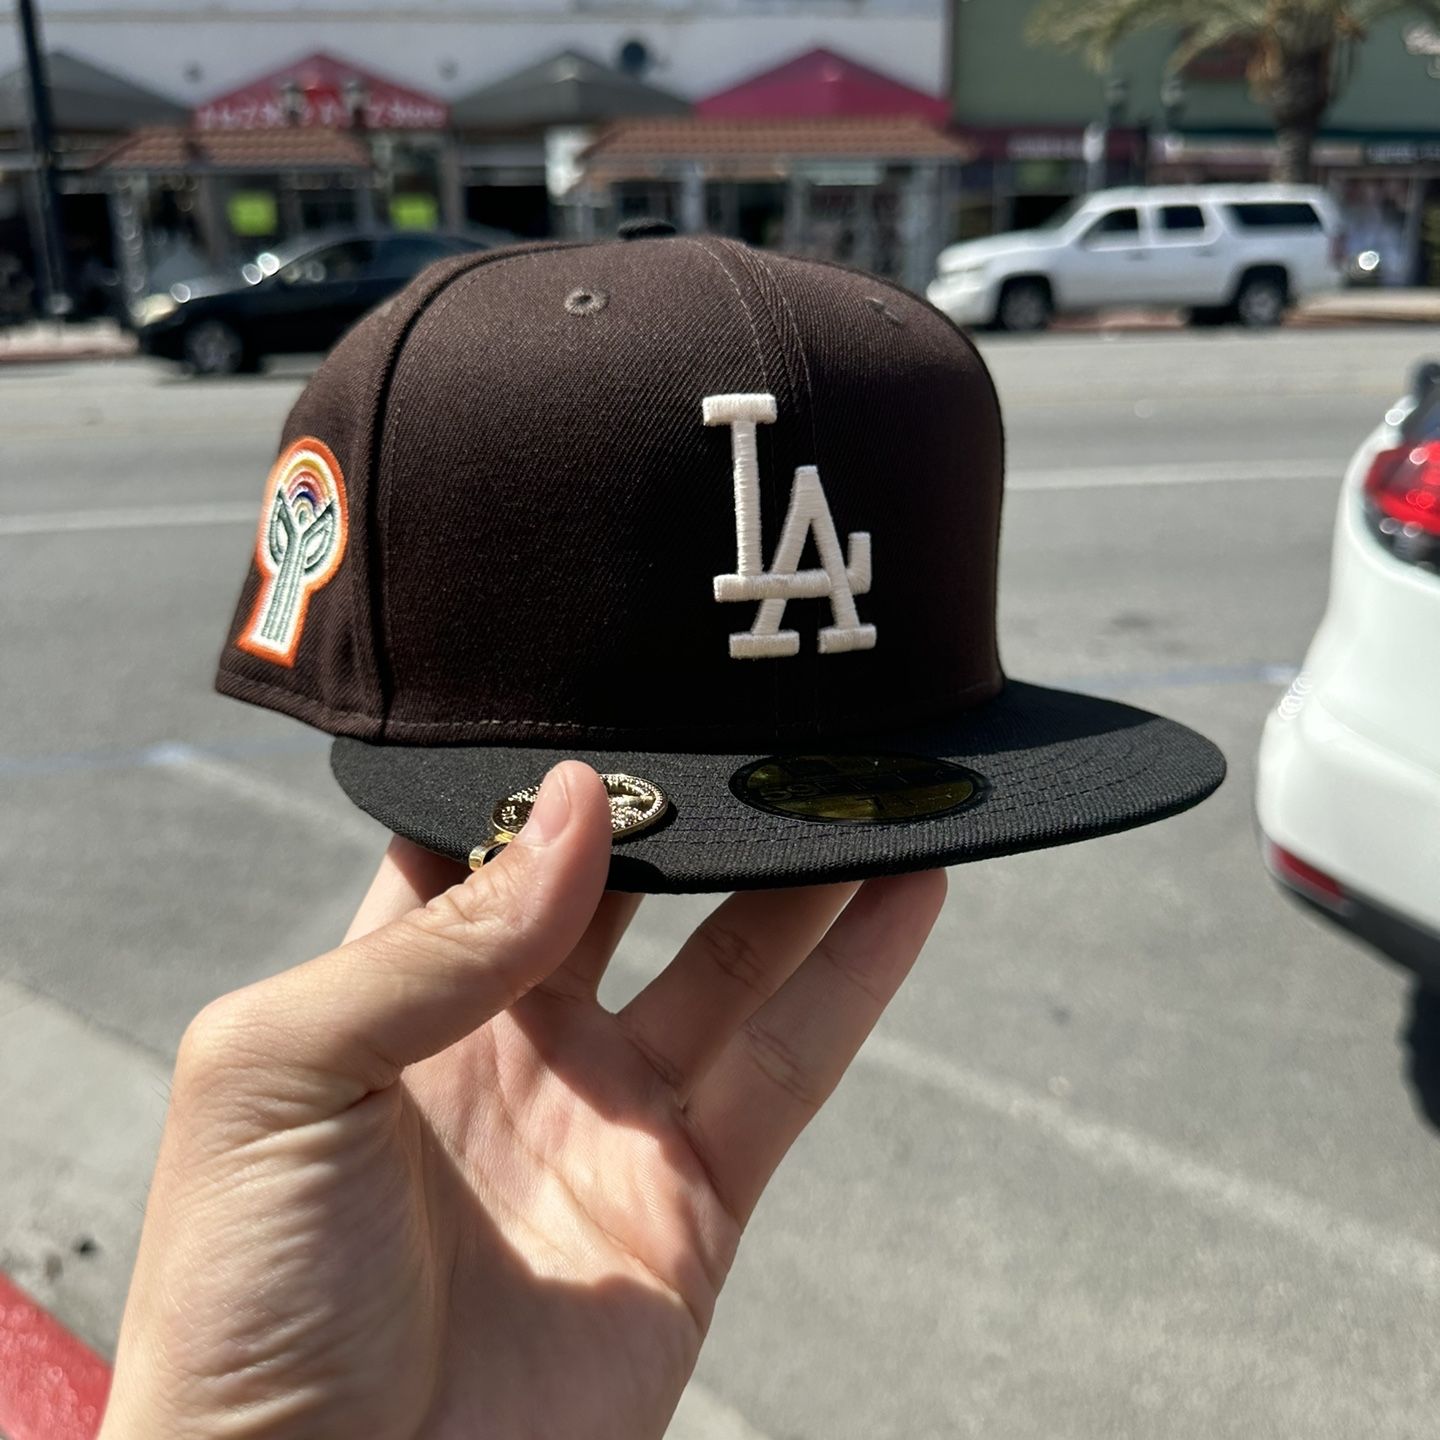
(840, 578)
(300, 546)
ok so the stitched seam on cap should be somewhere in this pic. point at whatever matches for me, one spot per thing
(974, 350)
(765, 380)
(758, 266)
(740, 296)
(428, 726)
(379, 537)
(757, 261)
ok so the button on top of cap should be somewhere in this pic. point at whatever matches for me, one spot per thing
(644, 227)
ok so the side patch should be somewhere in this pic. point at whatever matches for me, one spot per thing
(301, 543)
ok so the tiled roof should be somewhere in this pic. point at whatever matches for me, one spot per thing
(900, 138)
(169, 147)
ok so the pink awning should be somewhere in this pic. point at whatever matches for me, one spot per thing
(820, 82)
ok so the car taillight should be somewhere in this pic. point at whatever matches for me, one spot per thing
(1402, 501)
(1306, 879)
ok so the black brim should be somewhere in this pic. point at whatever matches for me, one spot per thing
(1056, 767)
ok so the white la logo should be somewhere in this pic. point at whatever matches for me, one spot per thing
(840, 579)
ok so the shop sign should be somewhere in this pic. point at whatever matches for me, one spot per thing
(415, 211)
(866, 172)
(1041, 177)
(1404, 152)
(1046, 147)
(321, 90)
(252, 212)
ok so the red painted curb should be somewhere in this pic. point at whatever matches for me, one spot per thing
(52, 1386)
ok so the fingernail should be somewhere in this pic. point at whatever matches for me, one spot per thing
(550, 813)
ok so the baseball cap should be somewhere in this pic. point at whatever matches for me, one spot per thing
(722, 523)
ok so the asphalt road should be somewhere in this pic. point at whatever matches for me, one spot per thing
(1141, 1150)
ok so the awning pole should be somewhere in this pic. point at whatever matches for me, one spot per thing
(50, 249)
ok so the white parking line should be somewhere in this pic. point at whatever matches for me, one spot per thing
(1238, 472)
(1114, 1149)
(1210, 472)
(141, 517)
(244, 784)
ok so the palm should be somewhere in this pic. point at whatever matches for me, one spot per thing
(606, 1286)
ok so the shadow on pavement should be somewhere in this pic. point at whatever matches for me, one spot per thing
(1421, 1039)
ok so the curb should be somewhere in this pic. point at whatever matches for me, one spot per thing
(45, 355)
(52, 1385)
(1172, 322)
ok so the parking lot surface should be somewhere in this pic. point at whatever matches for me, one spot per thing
(1141, 1150)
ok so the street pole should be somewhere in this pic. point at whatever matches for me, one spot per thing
(50, 251)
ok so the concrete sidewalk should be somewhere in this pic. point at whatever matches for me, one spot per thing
(1342, 309)
(45, 340)
(1372, 307)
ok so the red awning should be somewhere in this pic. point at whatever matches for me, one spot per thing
(820, 82)
(321, 90)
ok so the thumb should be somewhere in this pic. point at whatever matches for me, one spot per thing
(327, 1033)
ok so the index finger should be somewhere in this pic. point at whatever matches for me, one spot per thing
(408, 877)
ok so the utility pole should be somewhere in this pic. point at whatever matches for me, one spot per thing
(50, 251)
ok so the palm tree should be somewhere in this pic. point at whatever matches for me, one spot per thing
(1300, 49)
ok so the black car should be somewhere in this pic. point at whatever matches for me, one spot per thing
(298, 297)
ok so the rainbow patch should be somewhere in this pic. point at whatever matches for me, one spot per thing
(299, 547)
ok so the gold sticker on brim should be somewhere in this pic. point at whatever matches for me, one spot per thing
(857, 789)
(636, 805)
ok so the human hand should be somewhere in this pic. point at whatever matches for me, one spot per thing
(425, 1186)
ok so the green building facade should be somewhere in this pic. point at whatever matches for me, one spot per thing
(1026, 108)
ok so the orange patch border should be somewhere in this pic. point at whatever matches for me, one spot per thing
(287, 457)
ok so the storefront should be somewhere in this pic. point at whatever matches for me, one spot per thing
(403, 132)
(91, 108)
(185, 202)
(1387, 188)
(1022, 175)
(1378, 149)
(869, 192)
(516, 139)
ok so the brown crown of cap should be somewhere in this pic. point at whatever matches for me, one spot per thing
(537, 511)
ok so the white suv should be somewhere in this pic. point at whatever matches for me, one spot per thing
(1222, 252)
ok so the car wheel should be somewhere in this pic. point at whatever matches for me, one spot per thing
(1262, 302)
(1025, 308)
(213, 348)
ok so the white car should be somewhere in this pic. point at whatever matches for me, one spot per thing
(1242, 252)
(1348, 796)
